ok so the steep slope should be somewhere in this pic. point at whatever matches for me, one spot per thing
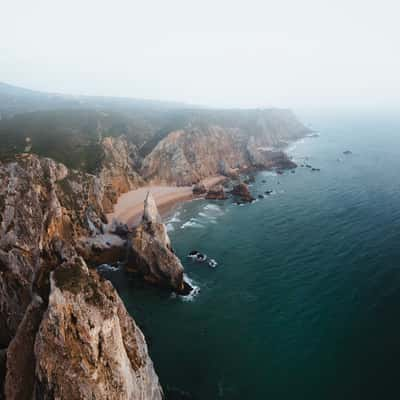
(253, 141)
(86, 332)
(44, 210)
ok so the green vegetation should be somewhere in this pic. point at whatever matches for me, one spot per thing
(73, 278)
(72, 135)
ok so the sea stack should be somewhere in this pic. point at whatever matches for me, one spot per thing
(242, 191)
(150, 253)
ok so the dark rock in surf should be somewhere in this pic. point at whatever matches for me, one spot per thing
(216, 193)
(242, 191)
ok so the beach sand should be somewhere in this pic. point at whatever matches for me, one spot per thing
(129, 207)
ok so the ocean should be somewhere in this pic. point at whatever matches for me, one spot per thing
(305, 301)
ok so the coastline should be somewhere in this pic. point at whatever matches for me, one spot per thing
(129, 207)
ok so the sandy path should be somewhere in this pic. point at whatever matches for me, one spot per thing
(129, 207)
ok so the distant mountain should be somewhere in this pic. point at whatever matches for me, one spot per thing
(16, 100)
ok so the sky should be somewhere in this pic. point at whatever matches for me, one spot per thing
(224, 53)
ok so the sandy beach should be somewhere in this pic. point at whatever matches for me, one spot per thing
(129, 207)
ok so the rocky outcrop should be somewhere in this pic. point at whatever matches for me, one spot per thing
(203, 149)
(20, 377)
(199, 189)
(242, 192)
(118, 174)
(216, 192)
(87, 346)
(64, 331)
(45, 210)
(151, 255)
(32, 222)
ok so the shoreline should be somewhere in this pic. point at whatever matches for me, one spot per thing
(129, 206)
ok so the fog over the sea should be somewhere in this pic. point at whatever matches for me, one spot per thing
(286, 53)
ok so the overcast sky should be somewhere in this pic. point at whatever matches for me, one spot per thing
(284, 53)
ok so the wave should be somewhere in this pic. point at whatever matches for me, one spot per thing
(170, 227)
(108, 268)
(192, 223)
(194, 292)
(174, 218)
(293, 146)
(212, 207)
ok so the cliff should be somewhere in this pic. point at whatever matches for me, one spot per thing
(83, 346)
(86, 332)
(51, 306)
(199, 150)
(64, 331)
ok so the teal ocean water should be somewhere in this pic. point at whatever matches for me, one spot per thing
(305, 302)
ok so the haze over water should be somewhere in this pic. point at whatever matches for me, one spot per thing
(305, 302)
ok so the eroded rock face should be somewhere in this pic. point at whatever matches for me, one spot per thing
(32, 222)
(242, 192)
(151, 255)
(203, 149)
(199, 189)
(20, 375)
(87, 346)
(216, 192)
(44, 212)
(118, 174)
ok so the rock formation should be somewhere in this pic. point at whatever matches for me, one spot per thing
(87, 346)
(216, 192)
(151, 255)
(242, 192)
(202, 149)
(118, 173)
(44, 211)
(199, 189)
(64, 331)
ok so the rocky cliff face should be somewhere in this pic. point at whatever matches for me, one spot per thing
(44, 210)
(118, 174)
(151, 255)
(64, 331)
(87, 346)
(188, 155)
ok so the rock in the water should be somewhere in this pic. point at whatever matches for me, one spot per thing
(347, 152)
(242, 191)
(199, 189)
(217, 192)
(150, 253)
(87, 346)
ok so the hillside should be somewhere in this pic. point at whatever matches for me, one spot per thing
(70, 130)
